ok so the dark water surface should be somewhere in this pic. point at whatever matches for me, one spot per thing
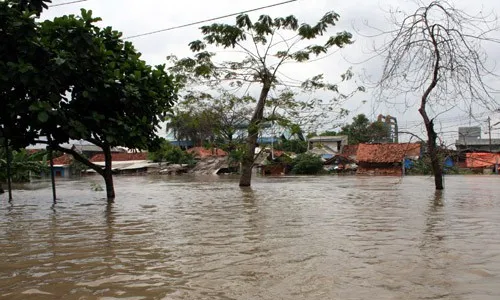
(286, 238)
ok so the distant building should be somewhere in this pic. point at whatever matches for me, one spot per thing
(385, 159)
(62, 165)
(469, 139)
(331, 144)
(126, 163)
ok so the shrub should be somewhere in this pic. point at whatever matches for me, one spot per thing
(307, 164)
(172, 154)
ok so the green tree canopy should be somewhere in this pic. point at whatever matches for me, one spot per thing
(70, 79)
(362, 130)
(267, 44)
(113, 98)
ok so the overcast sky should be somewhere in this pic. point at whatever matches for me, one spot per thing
(134, 17)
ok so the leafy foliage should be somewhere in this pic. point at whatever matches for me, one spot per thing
(201, 118)
(24, 165)
(22, 72)
(295, 146)
(266, 44)
(69, 79)
(361, 130)
(116, 99)
(307, 164)
(171, 154)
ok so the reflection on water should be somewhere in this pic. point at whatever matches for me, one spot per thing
(284, 238)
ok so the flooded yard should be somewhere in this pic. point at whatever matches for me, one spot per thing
(285, 238)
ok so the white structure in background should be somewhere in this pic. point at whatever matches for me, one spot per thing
(327, 146)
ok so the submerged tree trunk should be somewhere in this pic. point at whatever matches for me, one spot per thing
(108, 174)
(105, 172)
(437, 169)
(9, 173)
(52, 175)
(253, 133)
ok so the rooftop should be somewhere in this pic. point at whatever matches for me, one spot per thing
(386, 153)
(350, 150)
(204, 152)
(121, 156)
(329, 138)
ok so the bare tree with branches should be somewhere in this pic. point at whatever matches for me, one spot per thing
(437, 54)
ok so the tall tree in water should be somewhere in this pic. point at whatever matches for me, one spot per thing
(266, 45)
(436, 54)
(113, 98)
(24, 75)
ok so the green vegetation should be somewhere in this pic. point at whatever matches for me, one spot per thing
(295, 146)
(361, 130)
(24, 165)
(265, 45)
(68, 79)
(171, 154)
(307, 164)
(201, 118)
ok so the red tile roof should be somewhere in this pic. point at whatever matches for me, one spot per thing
(65, 159)
(481, 160)
(386, 153)
(204, 152)
(349, 150)
(121, 156)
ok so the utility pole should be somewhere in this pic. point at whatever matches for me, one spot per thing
(489, 132)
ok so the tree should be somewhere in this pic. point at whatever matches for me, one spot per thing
(307, 164)
(170, 153)
(24, 75)
(436, 54)
(112, 97)
(204, 118)
(361, 130)
(24, 165)
(266, 45)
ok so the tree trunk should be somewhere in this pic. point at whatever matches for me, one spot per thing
(437, 170)
(253, 133)
(9, 161)
(52, 175)
(108, 174)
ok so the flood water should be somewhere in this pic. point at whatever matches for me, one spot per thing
(285, 238)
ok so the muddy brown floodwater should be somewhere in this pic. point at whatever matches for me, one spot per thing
(285, 238)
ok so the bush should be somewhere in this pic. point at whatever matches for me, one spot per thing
(23, 165)
(307, 164)
(172, 154)
(296, 146)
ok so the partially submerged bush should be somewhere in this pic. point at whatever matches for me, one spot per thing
(171, 154)
(307, 164)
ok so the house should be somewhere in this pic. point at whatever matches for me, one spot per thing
(482, 160)
(62, 165)
(385, 159)
(340, 163)
(272, 162)
(330, 144)
(86, 148)
(350, 151)
(126, 163)
(201, 152)
(469, 139)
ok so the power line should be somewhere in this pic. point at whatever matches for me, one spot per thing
(207, 20)
(66, 3)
